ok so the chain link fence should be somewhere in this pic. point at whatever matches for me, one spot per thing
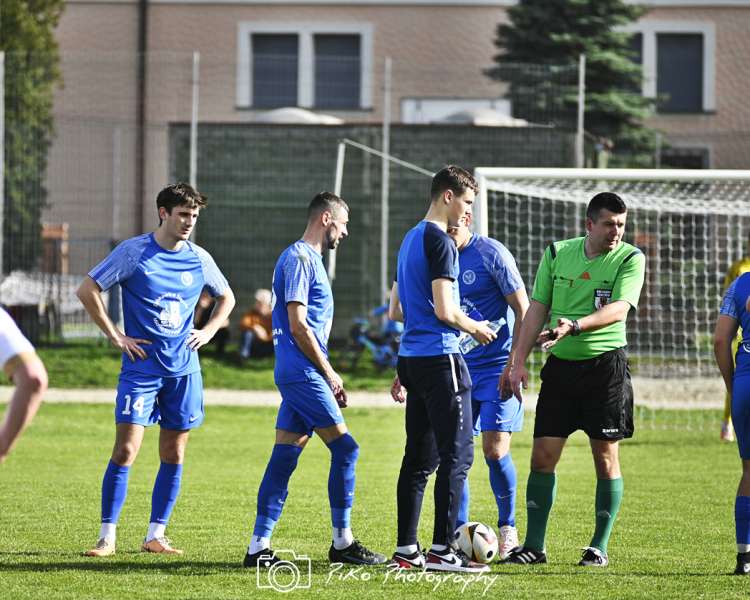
(87, 179)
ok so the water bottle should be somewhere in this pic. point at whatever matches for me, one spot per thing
(468, 343)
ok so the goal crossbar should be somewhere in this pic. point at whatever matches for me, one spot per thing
(725, 192)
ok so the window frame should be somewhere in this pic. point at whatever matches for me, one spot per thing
(649, 31)
(306, 57)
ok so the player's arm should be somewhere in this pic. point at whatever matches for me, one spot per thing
(90, 295)
(30, 378)
(726, 329)
(308, 343)
(615, 312)
(395, 312)
(220, 313)
(519, 304)
(533, 322)
(449, 313)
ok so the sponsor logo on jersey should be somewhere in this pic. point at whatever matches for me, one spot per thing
(469, 277)
(586, 275)
(186, 277)
(602, 298)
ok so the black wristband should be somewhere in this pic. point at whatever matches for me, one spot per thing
(576, 329)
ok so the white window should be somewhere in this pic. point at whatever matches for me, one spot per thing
(679, 61)
(310, 65)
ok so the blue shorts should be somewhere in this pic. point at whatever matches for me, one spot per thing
(306, 405)
(176, 402)
(741, 414)
(488, 411)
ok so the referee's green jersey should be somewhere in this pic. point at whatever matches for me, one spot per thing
(575, 287)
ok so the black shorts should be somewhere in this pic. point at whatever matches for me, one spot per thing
(594, 395)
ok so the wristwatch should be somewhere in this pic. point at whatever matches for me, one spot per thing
(576, 329)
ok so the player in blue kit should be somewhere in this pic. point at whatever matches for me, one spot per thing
(491, 288)
(161, 275)
(438, 433)
(312, 393)
(734, 314)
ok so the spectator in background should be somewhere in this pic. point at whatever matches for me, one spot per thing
(257, 328)
(203, 313)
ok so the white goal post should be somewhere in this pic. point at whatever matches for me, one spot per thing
(690, 224)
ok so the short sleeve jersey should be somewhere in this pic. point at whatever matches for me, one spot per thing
(734, 304)
(575, 287)
(299, 276)
(15, 349)
(426, 254)
(738, 268)
(160, 289)
(488, 274)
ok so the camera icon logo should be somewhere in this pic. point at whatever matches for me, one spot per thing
(284, 574)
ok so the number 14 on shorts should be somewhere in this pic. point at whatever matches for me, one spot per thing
(138, 405)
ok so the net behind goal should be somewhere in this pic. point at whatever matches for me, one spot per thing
(691, 225)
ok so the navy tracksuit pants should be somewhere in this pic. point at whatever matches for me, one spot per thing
(438, 403)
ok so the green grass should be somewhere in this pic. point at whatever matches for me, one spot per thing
(96, 364)
(674, 536)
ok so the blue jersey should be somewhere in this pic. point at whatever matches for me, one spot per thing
(160, 289)
(488, 274)
(734, 306)
(299, 276)
(426, 254)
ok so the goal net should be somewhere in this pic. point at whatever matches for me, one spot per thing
(691, 225)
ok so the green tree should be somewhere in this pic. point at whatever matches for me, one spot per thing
(554, 33)
(31, 72)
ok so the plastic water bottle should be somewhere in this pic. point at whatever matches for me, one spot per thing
(468, 343)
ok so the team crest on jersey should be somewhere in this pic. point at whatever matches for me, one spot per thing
(170, 318)
(469, 277)
(602, 298)
(187, 278)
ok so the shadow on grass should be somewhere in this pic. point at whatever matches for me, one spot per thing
(129, 561)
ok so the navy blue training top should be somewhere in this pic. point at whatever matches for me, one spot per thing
(426, 254)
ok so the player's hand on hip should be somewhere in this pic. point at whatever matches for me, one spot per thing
(484, 335)
(549, 337)
(198, 338)
(519, 378)
(131, 347)
(397, 391)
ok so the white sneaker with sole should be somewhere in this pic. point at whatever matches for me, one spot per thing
(508, 538)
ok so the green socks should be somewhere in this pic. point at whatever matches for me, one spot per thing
(608, 498)
(540, 497)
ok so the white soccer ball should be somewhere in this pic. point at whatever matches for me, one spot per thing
(478, 541)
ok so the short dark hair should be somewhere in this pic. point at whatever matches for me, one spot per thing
(452, 178)
(180, 194)
(605, 200)
(325, 201)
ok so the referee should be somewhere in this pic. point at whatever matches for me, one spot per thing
(591, 284)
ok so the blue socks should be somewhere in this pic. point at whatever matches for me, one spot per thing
(273, 489)
(742, 523)
(463, 509)
(503, 481)
(341, 479)
(114, 490)
(166, 490)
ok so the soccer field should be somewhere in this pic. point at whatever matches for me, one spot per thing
(674, 536)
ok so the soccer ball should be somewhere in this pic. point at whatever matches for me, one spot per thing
(478, 541)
